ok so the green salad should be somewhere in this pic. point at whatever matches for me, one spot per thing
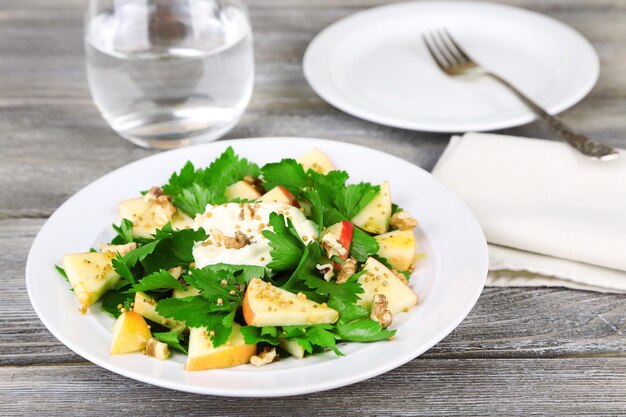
(237, 263)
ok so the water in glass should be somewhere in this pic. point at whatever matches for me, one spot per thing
(165, 73)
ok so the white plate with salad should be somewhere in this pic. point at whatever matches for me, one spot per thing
(257, 267)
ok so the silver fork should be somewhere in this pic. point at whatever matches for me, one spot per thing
(454, 61)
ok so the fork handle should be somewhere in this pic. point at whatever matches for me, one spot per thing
(580, 142)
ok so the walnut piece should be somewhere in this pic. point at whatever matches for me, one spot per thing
(346, 270)
(256, 183)
(237, 242)
(379, 312)
(402, 220)
(157, 349)
(267, 356)
(332, 246)
(327, 269)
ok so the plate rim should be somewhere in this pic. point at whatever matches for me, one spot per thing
(336, 99)
(441, 333)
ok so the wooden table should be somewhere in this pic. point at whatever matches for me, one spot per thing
(523, 352)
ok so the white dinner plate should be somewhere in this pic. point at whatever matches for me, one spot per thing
(448, 281)
(375, 66)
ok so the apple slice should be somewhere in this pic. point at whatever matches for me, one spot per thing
(146, 307)
(132, 208)
(398, 247)
(242, 190)
(380, 280)
(267, 305)
(189, 291)
(149, 213)
(317, 161)
(130, 333)
(279, 194)
(374, 217)
(293, 347)
(203, 356)
(91, 275)
(343, 231)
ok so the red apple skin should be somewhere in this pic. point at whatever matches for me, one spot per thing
(290, 197)
(345, 238)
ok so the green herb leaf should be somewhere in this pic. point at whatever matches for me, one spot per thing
(363, 245)
(158, 280)
(317, 208)
(287, 247)
(192, 189)
(309, 337)
(253, 334)
(348, 311)
(124, 233)
(288, 173)
(61, 272)
(363, 330)
(352, 199)
(119, 266)
(112, 299)
(172, 338)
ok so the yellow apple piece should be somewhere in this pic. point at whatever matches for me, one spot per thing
(267, 305)
(293, 347)
(242, 190)
(317, 161)
(91, 275)
(203, 356)
(398, 247)
(374, 217)
(189, 291)
(130, 333)
(279, 194)
(146, 307)
(152, 212)
(380, 280)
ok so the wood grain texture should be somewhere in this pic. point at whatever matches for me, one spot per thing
(521, 352)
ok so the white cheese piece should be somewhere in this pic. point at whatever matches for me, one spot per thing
(227, 218)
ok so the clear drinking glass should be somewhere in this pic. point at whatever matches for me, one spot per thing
(166, 73)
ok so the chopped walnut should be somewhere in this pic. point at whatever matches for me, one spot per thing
(400, 276)
(327, 269)
(157, 349)
(346, 270)
(379, 312)
(237, 242)
(267, 356)
(121, 249)
(155, 192)
(402, 220)
(332, 246)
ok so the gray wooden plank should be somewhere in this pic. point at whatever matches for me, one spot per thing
(506, 323)
(522, 387)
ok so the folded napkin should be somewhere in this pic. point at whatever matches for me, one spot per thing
(552, 216)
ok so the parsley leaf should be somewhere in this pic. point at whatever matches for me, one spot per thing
(172, 338)
(253, 334)
(310, 337)
(287, 247)
(363, 245)
(124, 233)
(247, 272)
(348, 311)
(192, 189)
(119, 266)
(317, 209)
(158, 280)
(111, 299)
(362, 330)
(348, 291)
(221, 287)
(353, 198)
(329, 185)
(288, 173)
(61, 272)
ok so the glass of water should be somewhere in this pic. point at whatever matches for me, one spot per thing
(166, 73)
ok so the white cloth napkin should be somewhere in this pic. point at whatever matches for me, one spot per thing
(552, 216)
